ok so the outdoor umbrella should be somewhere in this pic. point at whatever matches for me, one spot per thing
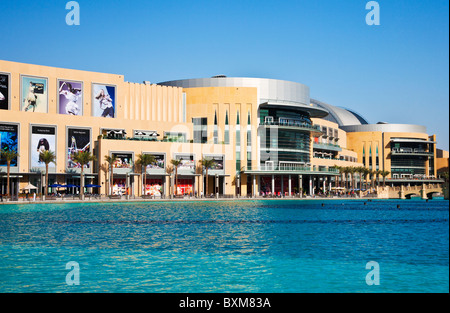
(29, 187)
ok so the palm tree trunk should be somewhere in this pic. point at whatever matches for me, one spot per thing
(46, 180)
(176, 180)
(145, 181)
(111, 180)
(206, 187)
(8, 168)
(106, 182)
(82, 183)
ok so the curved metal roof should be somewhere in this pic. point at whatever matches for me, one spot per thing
(268, 89)
(387, 128)
(275, 92)
(341, 116)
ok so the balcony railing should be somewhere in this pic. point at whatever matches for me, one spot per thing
(327, 146)
(411, 152)
(294, 124)
(290, 168)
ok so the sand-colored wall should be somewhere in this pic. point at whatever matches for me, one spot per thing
(208, 101)
(357, 140)
(138, 107)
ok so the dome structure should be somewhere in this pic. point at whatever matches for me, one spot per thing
(341, 116)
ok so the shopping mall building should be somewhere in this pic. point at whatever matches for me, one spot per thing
(266, 136)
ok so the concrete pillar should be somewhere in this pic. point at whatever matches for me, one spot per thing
(423, 192)
(290, 186)
(273, 184)
(311, 189)
(217, 187)
(402, 192)
(300, 185)
(254, 186)
(238, 186)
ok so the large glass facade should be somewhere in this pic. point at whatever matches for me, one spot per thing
(284, 145)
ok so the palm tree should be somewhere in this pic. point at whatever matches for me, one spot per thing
(199, 170)
(377, 175)
(366, 173)
(361, 170)
(384, 174)
(9, 156)
(352, 171)
(207, 163)
(83, 158)
(338, 171)
(47, 157)
(346, 171)
(145, 160)
(111, 160)
(372, 178)
(175, 163)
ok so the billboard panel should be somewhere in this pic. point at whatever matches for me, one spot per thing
(78, 140)
(187, 162)
(103, 100)
(124, 160)
(34, 94)
(70, 99)
(4, 91)
(9, 141)
(159, 163)
(43, 138)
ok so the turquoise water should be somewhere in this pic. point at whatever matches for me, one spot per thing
(272, 246)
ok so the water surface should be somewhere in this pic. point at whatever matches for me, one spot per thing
(226, 246)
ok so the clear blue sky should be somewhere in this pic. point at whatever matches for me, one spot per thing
(397, 72)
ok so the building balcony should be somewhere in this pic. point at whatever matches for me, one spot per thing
(327, 146)
(316, 130)
(289, 168)
(411, 152)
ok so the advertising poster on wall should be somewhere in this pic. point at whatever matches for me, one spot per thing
(124, 160)
(70, 100)
(78, 140)
(187, 162)
(43, 138)
(119, 187)
(185, 187)
(4, 91)
(9, 141)
(103, 100)
(218, 162)
(159, 163)
(34, 94)
(153, 187)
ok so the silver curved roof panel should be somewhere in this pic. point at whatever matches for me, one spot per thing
(268, 89)
(387, 128)
(271, 92)
(340, 116)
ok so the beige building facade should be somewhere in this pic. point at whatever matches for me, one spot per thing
(266, 137)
